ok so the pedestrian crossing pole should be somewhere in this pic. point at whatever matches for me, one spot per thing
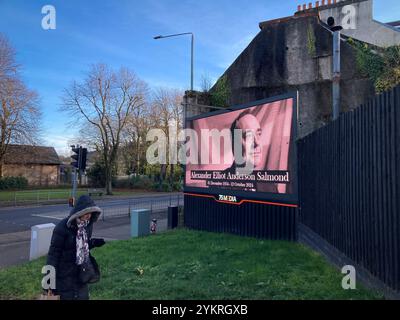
(76, 166)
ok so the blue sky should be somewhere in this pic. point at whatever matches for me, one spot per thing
(120, 33)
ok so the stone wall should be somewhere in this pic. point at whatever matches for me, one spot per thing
(295, 54)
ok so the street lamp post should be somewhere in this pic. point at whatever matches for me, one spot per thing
(192, 52)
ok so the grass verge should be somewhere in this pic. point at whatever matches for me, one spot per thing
(187, 264)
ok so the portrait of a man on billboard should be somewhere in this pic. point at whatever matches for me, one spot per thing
(245, 150)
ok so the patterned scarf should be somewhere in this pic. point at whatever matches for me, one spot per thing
(82, 244)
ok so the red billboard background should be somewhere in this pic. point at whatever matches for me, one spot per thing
(274, 121)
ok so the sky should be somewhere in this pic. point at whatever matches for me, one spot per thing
(120, 33)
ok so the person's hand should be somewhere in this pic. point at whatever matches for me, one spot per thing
(97, 243)
(48, 292)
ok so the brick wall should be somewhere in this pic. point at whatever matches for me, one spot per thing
(37, 175)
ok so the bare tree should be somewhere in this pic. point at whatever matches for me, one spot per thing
(103, 102)
(19, 111)
(167, 112)
(206, 83)
(135, 139)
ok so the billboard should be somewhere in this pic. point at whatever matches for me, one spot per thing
(247, 151)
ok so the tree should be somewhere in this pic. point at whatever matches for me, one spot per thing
(19, 111)
(166, 114)
(135, 140)
(101, 104)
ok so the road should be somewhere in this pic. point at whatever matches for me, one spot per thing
(14, 220)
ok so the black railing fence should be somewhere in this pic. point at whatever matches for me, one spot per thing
(349, 181)
(157, 205)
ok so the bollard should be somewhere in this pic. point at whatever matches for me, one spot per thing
(40, 240)
(172, 217)
(140, 223)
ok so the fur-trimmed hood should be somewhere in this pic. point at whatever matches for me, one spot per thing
(83, 206)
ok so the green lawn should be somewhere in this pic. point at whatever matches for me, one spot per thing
(196, 265)
(41, 195)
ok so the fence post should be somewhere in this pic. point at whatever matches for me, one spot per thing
(170, 200)
(37, 197)
(15, 198)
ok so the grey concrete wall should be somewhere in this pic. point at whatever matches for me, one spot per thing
(365, 27)
(296, 55)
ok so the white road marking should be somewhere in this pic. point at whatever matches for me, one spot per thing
(47, 217)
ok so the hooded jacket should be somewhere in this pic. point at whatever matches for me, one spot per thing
(62, 252)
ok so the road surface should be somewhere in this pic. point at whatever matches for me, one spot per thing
(22, 219)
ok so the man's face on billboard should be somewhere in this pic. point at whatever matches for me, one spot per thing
(251, 152)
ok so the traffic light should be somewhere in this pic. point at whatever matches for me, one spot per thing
(80, 155)
(76, 156)
(82, 166)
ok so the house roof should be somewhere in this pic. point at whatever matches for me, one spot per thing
(21, 154)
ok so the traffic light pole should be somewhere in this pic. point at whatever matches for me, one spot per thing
(74, 184)
(77, 166)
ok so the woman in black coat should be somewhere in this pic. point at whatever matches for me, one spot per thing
(70, 248)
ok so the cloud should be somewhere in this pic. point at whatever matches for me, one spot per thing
(60, 143)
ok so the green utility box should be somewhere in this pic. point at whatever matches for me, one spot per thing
(140, 223)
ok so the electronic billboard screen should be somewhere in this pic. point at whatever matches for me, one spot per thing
(248, 151)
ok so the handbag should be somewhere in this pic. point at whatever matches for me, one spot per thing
(89, 271)
(49, 296)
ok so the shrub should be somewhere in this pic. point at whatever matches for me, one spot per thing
(97, 178)
(381, 65)
(177, 186)
(162, 186)
(141, 182)
(122, 183)
(13, 183)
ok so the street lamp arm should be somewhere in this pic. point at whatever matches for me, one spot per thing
(192, 51)
(173, 35)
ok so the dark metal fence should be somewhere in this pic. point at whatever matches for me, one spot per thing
(157, 206)
(349, 179)
(249, 219)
